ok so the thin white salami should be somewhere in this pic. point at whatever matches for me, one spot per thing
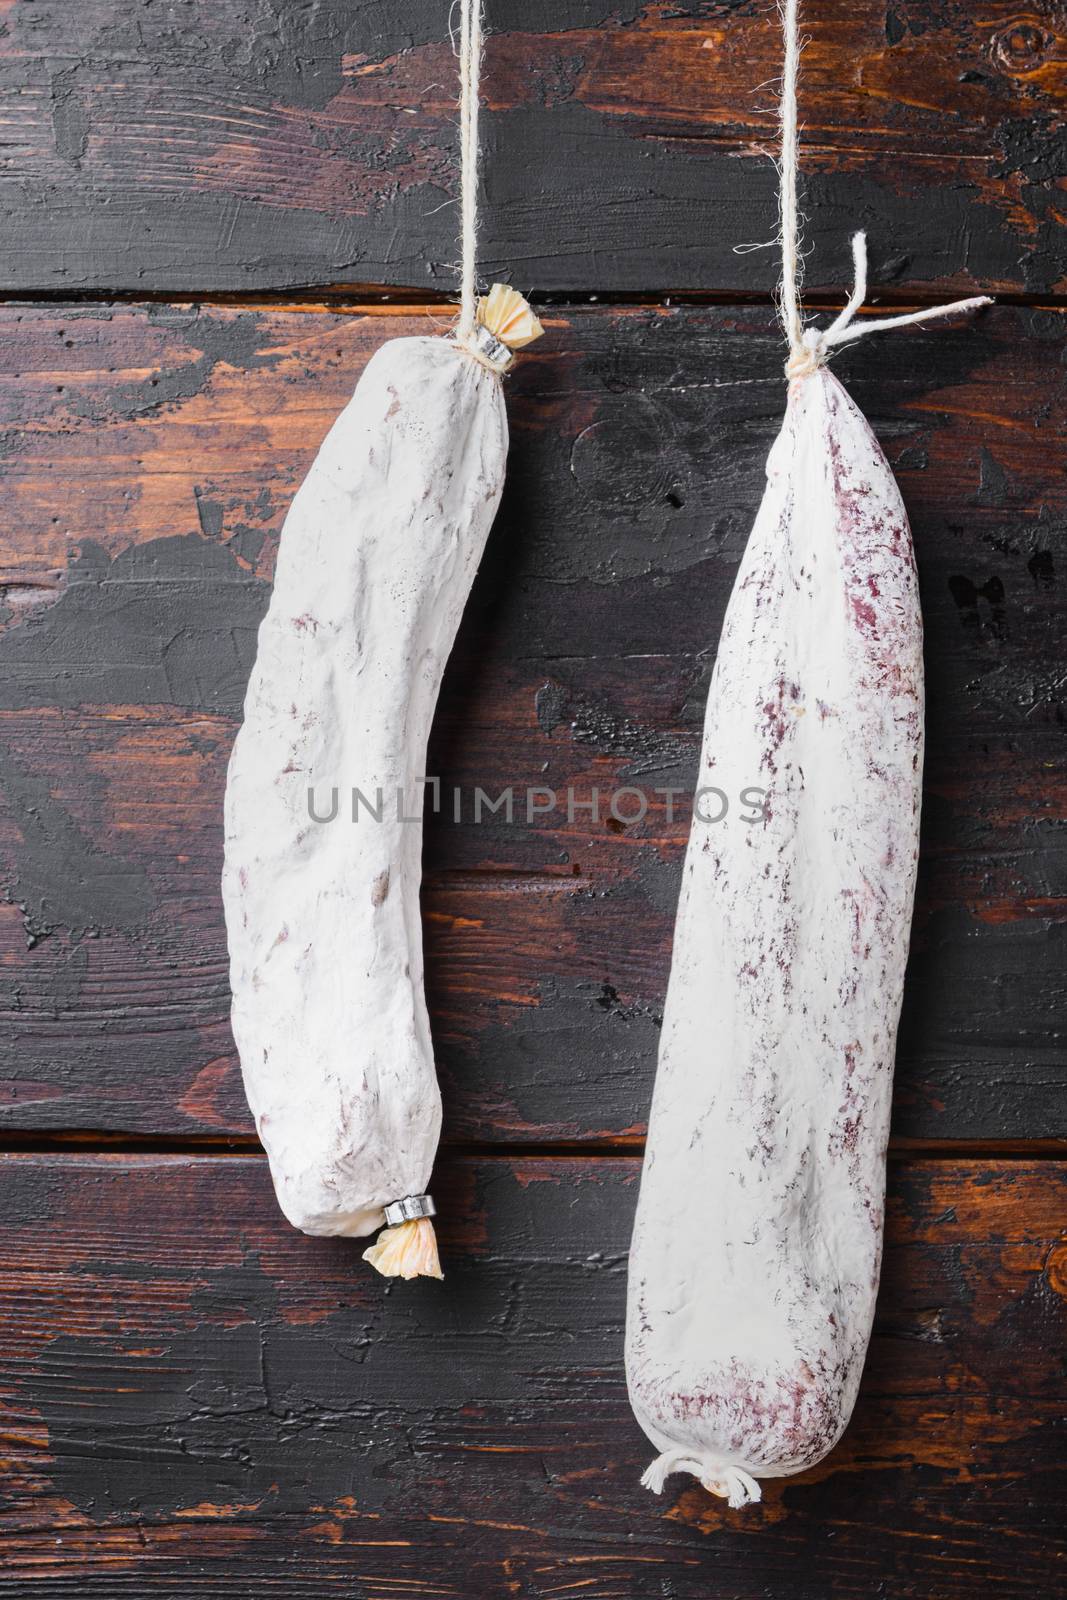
(756, 1250)
(377, 557)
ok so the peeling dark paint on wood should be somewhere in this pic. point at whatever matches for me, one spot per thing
(171, 622)
(244, 146)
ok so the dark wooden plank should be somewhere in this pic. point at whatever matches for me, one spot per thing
(150, 455)
(198, 1401)
(196, 147)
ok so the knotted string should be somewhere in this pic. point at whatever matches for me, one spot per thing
(729, 1481)
(809, 348)
(470, 66)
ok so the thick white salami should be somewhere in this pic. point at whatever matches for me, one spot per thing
(758, 1239)
(756, 1249)
(377, 557)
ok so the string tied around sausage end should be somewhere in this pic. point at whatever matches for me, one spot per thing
(810, 347)
(504, 323)
(727, 1480)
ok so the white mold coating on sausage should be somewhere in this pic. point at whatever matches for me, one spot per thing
(377, 557)
(757, 1244)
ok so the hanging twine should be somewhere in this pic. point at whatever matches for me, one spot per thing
(489, 329)
(470, 67)
(809, 348)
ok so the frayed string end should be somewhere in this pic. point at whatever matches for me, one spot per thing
(812, 349)
(731, 1483)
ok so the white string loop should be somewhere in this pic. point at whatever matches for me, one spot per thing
(809, 348)
(726, 1479)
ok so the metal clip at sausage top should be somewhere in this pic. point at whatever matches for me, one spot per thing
(488, 348)
(503, 323)
(410, 1209)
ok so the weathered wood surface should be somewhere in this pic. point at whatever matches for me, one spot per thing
(149, 455)
(194, 1400)
(197, 1400)
(195, 146)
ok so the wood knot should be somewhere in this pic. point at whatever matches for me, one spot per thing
(628, 457)
(1056, 1268)
(1022, 47)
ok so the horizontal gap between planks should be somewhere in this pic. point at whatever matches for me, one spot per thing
(79, 1142)
(376, 300)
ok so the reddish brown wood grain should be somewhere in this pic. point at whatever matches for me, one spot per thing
(150, 456)
(194, 1397)
(214, 147)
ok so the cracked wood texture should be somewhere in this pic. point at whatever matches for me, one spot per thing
(195, 1400)
(231, 1408)
(249, 144)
